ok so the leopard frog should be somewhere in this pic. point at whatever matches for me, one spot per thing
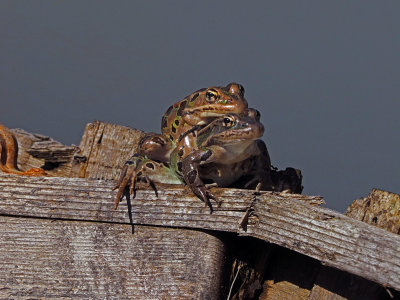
(223, 151)
(193, 111)
(226, 151)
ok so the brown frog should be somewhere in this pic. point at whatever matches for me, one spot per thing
(192, 112)
(223, 151)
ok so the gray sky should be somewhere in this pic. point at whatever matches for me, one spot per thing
(324, 75)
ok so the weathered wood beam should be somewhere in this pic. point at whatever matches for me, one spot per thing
(282, 219)
(40, 151)
(58, 259)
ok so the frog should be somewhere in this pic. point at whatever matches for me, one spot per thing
(222, 152)
(181, 118)
(9, 155)
(226, 151)
(190, 113)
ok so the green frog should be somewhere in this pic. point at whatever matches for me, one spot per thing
(224, 151)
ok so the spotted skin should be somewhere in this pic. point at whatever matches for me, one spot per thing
(180, 124)
(188, 115)
(200, 106)
(223, 151)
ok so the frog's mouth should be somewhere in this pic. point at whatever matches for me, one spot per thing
(238, 136)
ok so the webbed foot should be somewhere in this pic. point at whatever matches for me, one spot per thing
(141, 169)
(205, 195)
(127, 178)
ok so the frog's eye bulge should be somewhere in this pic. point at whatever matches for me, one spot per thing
(228, 122)
(236, 88)
(211, 95)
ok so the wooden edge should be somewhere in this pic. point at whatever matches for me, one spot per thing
(39, 151)
(286, 220)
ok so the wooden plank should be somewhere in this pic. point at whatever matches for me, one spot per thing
(39, 151)
(104, 149)
(381, 209)
(42, 258)
(282, 219)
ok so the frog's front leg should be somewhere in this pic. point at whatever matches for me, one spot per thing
(191, 175)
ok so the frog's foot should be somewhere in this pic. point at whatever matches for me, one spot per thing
(205, 195)
(147, 180)
(141, 169)
(127, 178)
(197, 186)
(191, 176)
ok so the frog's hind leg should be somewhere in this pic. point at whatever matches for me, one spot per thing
(143, 169)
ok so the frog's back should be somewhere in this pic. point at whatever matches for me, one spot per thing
(198, 107)
(172, 123)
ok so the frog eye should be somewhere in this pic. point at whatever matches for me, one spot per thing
(211, 95)
(228, 122)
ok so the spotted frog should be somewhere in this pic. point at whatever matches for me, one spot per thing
(9, 155)
(180, 119)
(223, 151)
(191, 113)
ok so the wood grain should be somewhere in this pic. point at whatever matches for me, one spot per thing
(43, 258)
(286, 220)
(104, 148)
(39, 151)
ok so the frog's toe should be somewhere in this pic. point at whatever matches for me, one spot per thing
(128, 177)
(219, 202)
(147, 180)
(207, 201)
